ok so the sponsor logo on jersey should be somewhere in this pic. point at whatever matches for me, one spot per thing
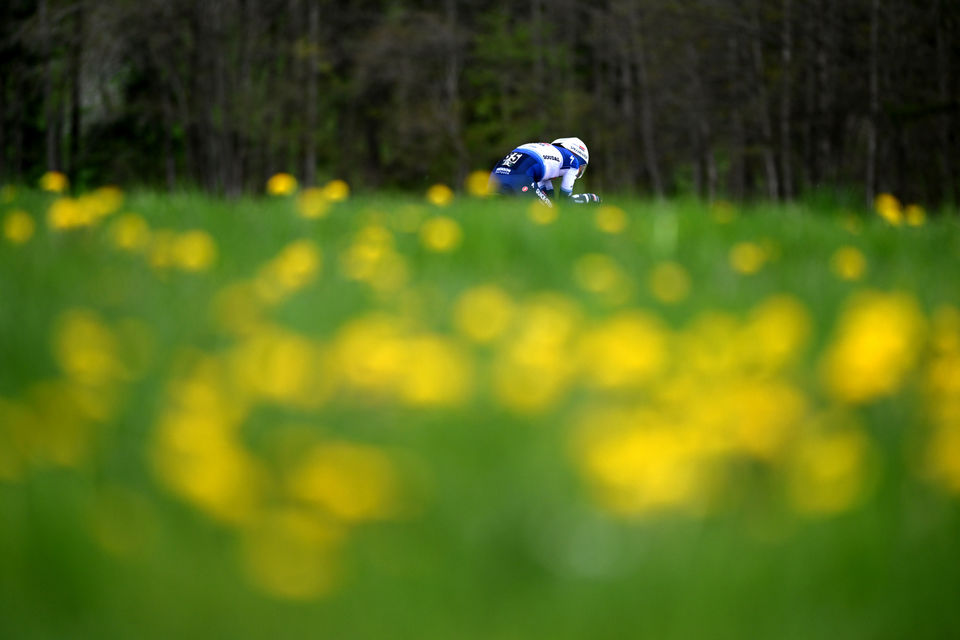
(525, 189)
(502, 171)
(554, 158)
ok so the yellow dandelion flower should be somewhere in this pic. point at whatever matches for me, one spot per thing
(848, 263)
(18, 226)
(889, 208)
(747, 257)
(67, 213)
(197, 456)
(627, 350)
(914, 215)
(102, 202)
(291, 554)
(669, 282)
(313, 203)
(336, 191)
(291, 270)
(440, 195)
(641, 471)
(437, 372)
(610, 219)
(54, 182)
(130, 232)
(830, 472)
(352, 482)
(483, 313)
(87, 349)
(877, 342)
(541, 213)
(441, 234)
(478, 183)
(194, 250)
(281, 184)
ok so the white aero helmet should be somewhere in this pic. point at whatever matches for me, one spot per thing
(577, 148)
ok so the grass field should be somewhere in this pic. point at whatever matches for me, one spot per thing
(325, 415)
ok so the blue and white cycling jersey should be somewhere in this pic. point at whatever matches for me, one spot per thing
(549, 162)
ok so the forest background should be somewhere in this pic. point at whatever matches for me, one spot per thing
(754, 98)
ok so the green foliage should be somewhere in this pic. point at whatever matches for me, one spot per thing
(498, 530)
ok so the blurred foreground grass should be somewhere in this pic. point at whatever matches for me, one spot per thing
(388, 417)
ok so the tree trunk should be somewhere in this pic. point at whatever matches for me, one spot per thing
(874, 103)
(76, 65)
(737, 178)
(311, 87)
(786, 150)
(766, 121)
(948, 166)
(646, 103)
(454, 117)
(49, 99)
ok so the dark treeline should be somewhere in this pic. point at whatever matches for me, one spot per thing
(742, 98)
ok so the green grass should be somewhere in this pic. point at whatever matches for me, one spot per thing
(501, 536)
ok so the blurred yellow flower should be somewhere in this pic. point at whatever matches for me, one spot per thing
(440, 234)
(86, 348)
(848, 263)
(914, 215)
(281, 184)
(774, 333)
(541, 213)
(747, 257)
(669, 282)
(437, 372)
(829, 472)
(292, 269)
(313, 203)
(336, 191)
(440, 195)
(639, 468)
(371, 258)
(478, 183)
(197, 455)
(54, 181)
(101, 202)
(130, 232)
(877, 341)
(889, 208)
(291, 554)
(534, 366)
(194, 250)
(610, 219)
(18, 226)
(277, 365)
(351, 482)
(598, 273)
(67, 213)
(625, 351)
(483, 313)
